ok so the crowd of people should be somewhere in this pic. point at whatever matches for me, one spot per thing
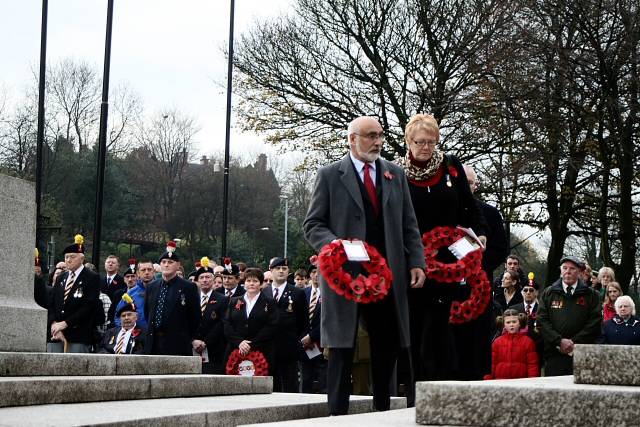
(310, 335)
(155, 308)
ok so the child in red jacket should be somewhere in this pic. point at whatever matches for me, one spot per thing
(513, 353)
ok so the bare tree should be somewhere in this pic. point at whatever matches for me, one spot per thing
(304, 77)
(168, 139)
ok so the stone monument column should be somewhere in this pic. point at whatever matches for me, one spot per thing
(22, 322)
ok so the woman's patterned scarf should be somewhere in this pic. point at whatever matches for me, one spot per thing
(421, 171)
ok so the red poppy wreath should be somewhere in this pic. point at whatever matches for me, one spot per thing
(468, 268)
(260, 364)
(361, 289)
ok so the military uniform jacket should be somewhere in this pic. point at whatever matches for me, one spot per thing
(211, 329)
(181, 315)
(80, 307)
(576, 317)
(259, 328)
(293, 322)
(134, 346)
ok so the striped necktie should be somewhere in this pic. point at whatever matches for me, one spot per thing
(313, 302)
(203, 304)
(69, 285)
(119, 345)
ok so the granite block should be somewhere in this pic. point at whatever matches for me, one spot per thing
(557, 401)
(157, 365)
(36, 364)
(19, 391)
(606, 364)
(23, 321)
(70, 364)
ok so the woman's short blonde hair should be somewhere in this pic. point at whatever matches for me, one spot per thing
(628, 300)
(421, 122)
(607, 270)
(606, 291)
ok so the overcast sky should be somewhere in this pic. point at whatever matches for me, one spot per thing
(169, 51)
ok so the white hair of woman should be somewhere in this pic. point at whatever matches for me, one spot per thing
(625, 299)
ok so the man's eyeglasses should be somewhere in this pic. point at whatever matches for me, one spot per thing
(372, 136)
(527, 290)
(429, 142)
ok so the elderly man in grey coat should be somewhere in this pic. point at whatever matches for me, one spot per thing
(365, 197)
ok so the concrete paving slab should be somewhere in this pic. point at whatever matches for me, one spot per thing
(196, 411)
(396, 418)
(18, 364)
(557, 401)
(21, 391)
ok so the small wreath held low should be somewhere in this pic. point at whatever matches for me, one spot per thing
(361, 289)
(256, 358)
(468, 268)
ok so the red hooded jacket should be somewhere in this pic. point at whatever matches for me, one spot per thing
(513, 356)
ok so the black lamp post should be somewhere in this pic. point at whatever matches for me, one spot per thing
(225, 191)
(102, 139)
(41, 95)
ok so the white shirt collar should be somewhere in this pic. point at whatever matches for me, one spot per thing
(359, 164)
(208, 295)
(78, 271)
(565, 286)
(250, 303)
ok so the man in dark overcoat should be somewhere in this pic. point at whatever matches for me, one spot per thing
(365, 197)
(72, 304)
(172, 310)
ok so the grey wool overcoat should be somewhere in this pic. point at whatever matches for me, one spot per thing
(336, 211)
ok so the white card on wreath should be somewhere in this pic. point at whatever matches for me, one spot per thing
(462, 247)
(355, 250)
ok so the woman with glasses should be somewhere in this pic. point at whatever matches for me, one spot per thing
(441, 197)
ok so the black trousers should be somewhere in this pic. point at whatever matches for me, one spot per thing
(381, 323)
(558, 364)
(285, 376)
(313, 370)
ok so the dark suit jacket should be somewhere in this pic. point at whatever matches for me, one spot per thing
(211, 329)
(134, 346)
(293, 321)
(238, 292)
(259, 328)
(497, 240)
(181, 315)
(117, 284)
(314, 322)
(80, 307)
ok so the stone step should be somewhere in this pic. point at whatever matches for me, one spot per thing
(606, 364)
(533, 402)
(14, 364)
(21, 391)
(196, 411)
(394, 418)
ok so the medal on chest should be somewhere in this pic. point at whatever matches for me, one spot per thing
(290, 307)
